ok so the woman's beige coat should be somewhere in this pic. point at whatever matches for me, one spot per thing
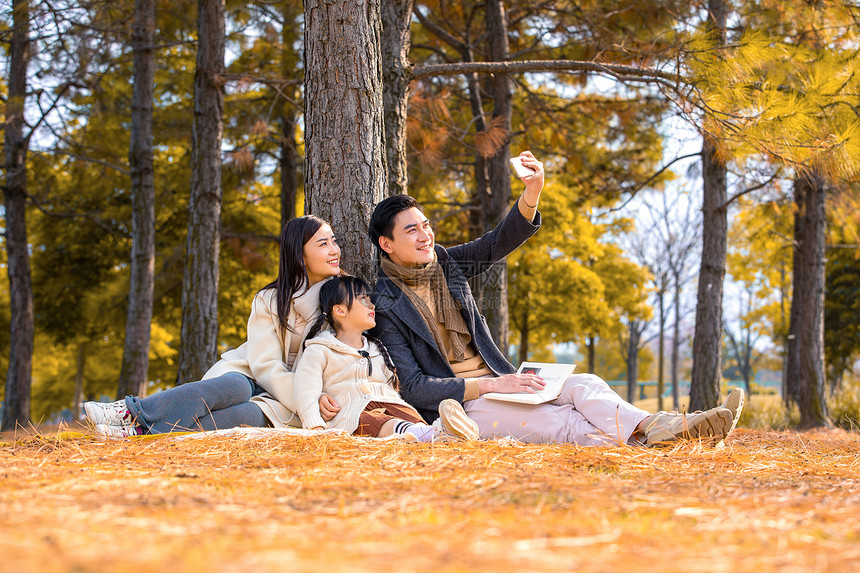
(265, 355)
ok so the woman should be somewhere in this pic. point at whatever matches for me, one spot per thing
(251, 385)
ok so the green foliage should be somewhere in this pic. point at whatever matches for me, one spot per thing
(785, 87)
(842, 295)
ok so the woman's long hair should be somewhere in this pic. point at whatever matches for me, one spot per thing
(292, 273)
(344, 290)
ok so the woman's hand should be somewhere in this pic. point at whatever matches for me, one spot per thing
(512, 383)
(328, 407)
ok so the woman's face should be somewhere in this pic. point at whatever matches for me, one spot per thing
(322, 255)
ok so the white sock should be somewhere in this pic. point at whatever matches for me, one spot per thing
(422, 432)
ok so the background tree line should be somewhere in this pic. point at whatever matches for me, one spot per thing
(152, 153)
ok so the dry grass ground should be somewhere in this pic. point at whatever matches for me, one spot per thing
(769, 501)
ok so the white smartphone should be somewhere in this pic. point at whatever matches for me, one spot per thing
(520, 169)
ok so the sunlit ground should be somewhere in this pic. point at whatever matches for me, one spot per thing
(768, 501)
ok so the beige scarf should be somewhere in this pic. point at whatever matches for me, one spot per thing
(446, 308)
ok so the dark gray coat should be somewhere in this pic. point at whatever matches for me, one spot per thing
(425, 376)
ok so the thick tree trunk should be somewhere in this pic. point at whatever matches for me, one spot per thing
(200, 285)
(707, 349)
(345, 174)
(79, 381)
(498, 201)
(133, 375)
(289, 166)
(16, 404)
(396, 72)
(806, 381)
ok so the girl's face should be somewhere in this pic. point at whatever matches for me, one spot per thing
(322, 255)
(360, 316)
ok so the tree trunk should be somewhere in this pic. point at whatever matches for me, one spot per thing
(806, 381)
(345, 173)
(707, 350)
(133, 375)
(497, 203)
(591, 354)
(289, 165)
(289, 156)
(200, 285)
(633, 361)
(16, 404)
(676, 345)
(397, 72)
(79, 381)
(661, 349)
(524, 336)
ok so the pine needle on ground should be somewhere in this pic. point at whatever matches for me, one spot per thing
(768, 501)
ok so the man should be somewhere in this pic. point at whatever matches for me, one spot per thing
(428, 319)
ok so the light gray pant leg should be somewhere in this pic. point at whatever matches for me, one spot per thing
(601, 406)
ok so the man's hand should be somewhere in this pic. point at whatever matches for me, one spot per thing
(328, 407)
(512, 383)
(534, 182)
(528, 201)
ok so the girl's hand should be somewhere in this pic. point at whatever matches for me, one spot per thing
(512, 383)
(328, 407)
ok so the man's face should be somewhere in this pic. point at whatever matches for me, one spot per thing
(412, 241)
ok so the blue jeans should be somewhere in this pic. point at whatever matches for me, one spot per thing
(213, 404)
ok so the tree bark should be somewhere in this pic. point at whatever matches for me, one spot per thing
(592, 341)
(79, 381)
(200, 285)
(397, 73)
(806, 380)
(289, 166)
(16, 404)
(497, 202)
(133, 375)
(345, 173)
(707, 348)
(524, 335)
(676, 344)
(661, 347)
(289, 156)
(633, 360)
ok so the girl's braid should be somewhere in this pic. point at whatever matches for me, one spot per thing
(394, 381)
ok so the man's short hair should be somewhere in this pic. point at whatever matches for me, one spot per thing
(382, 220)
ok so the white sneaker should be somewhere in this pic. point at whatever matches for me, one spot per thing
(455, 422)
(118, 431)
(714, 424)
(110, 414)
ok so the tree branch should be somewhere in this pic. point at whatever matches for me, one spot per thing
(740, 194)
(618, 71)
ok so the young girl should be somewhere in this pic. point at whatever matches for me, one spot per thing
(357, 375)
(251, 385)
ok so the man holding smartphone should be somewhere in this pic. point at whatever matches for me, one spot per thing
(439, 342)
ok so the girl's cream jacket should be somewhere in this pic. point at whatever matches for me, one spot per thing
(265, 355)
(328, 365)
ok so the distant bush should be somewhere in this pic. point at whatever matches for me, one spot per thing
(768, 412)
(845, 406)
